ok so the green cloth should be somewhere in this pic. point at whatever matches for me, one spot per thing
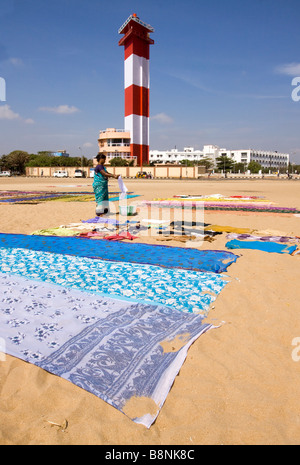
(55, 232)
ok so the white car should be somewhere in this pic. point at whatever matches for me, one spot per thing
(5, 173)
(60, 174)
(79, 174)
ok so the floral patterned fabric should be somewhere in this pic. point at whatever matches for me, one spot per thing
(113, 349)
(216, 261)
(185, 290)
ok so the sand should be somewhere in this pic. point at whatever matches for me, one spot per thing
(239, 383)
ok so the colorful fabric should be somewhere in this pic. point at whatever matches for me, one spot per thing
(185, 290)
(42, 196)
(220, 197)
(271, 247)
(119, 237)
(228, 229)
(216, 261)
(219, 206)
(55, 232)
(250, 237)
(122, 197)
(99, 219)
(117, 351)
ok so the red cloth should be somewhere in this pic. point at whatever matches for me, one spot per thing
(121, 236)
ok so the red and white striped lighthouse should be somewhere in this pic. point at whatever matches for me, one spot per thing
(136, 41)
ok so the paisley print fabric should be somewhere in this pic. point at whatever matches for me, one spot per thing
(115, 350)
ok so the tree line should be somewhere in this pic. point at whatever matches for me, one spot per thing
(18, 160)
(226, 164)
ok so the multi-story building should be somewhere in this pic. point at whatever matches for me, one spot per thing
(60, 153)
(267, 159)
(175, 156)
(115, 143)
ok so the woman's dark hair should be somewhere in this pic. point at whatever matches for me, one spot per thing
(100, 156)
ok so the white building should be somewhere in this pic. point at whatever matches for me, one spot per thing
(175, 156)
(267, 159)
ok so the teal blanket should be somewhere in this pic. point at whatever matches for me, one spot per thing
(259, 245)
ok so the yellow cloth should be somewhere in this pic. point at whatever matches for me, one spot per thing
(228, 229)
(55, 232)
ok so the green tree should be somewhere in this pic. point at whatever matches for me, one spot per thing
(16, 161)
(224, 163)
(207, 162)
(254, 167)
(239, 167)
(187, 162)
(118, 161)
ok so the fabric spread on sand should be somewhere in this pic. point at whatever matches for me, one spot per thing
(55, 232)
(101, 219)
(112, 349)
(272, 247)
(229, 206)
(187, 291)
(42, 196)
(216, 261)
(228, 229)
(251, 237)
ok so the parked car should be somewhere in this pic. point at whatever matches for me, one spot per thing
(5, 173)
(60, 174)
(79, 174)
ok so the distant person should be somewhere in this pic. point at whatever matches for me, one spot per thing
(100, 185)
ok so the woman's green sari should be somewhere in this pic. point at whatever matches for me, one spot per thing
(100, 186)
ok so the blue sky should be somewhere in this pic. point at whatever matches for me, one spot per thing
(220, 73)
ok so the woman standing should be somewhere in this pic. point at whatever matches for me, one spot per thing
(100, 185)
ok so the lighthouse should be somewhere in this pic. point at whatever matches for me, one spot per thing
(136, 42)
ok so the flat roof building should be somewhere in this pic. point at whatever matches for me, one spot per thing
(115, 143)
(60, 153)
(266, 158)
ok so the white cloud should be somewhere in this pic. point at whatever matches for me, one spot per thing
(162, 118)
(7, 113)
(88, 144)
(16, 61)
(29, 121)
(61, 109)
(291, 69)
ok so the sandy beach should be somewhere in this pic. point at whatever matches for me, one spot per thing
(239, 383)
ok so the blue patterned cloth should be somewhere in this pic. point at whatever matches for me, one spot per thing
(115, 350)
(272, 247)
(216, 261)
(187, 291)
